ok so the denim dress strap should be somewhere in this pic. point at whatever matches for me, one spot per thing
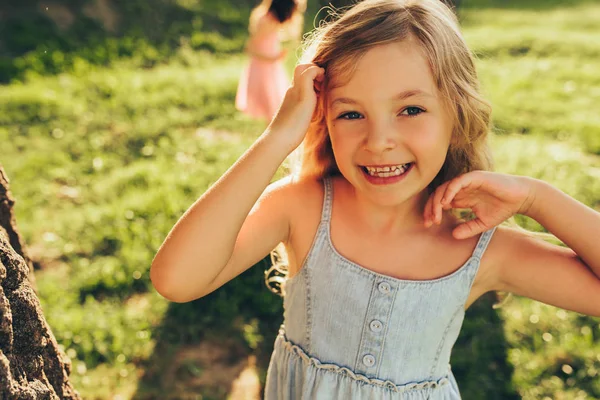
(475, 260)
(327, 200)
(483, 242)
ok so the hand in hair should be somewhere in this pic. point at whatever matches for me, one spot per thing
(296, 110)
(493, 198)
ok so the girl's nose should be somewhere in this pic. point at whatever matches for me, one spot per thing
(380, 137)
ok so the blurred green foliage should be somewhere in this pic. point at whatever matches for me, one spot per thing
(108, 137)
(147, 32)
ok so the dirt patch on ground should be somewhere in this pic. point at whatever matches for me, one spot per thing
(215, 369)
(247, 385)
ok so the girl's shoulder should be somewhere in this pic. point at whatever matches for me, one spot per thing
(298, 191)
(301, 198)
(509, 249)
(507, 239)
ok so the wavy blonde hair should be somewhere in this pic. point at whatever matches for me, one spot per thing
(336, 46)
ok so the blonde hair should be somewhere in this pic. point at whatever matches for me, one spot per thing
(336, 46)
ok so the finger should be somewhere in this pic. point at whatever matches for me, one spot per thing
(429, 215)
(454, 187)
(314, 74)
(300, 68)
(427, 212)
(321, 76)
(298, 72)
(431, 204)
(310, 76)
(318, 83)
(449, 206)
(469, 229)
(458, 202)
(437, 202)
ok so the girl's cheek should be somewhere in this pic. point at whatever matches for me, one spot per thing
(347, 129)
(425, 132)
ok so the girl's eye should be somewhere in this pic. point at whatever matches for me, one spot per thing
(412, 111)
(350, 115)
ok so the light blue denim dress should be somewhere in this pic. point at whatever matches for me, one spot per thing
(351, 333)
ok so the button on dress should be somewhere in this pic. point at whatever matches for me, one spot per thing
(351, 333)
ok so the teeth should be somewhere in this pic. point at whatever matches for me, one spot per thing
(385, 172)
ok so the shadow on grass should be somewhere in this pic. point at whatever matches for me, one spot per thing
(52, 37)
(479, 359)
(203, 346)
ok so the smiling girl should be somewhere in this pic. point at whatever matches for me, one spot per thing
(393, 132)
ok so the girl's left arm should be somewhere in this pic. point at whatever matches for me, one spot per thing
(523, 264)
(575, 224)
(568, 278)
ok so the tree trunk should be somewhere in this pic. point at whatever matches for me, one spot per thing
(32, 366)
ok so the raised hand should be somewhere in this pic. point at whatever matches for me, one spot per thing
(295, 113)
(493, 198)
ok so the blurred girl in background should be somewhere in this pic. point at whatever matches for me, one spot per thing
(264, 81)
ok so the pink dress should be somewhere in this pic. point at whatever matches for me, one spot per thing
(263, 82)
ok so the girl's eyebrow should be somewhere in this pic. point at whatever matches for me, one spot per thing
(400, 96)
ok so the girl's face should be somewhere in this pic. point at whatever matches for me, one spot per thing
(389, 128)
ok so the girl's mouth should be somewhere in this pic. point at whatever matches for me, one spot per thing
(383, 175)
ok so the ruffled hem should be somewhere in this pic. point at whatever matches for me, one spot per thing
(311, 361)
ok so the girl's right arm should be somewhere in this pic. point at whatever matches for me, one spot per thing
(231, 227)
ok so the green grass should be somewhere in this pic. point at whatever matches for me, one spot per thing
(538, 67)
(104, 159)
(539, 70)
(101, 166)
(556, 353)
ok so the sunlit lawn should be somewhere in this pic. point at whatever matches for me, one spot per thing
(102, 163)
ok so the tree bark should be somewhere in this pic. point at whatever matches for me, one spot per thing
(7, 222)
(32, 366)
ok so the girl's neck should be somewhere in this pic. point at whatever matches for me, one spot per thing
(404, 218)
